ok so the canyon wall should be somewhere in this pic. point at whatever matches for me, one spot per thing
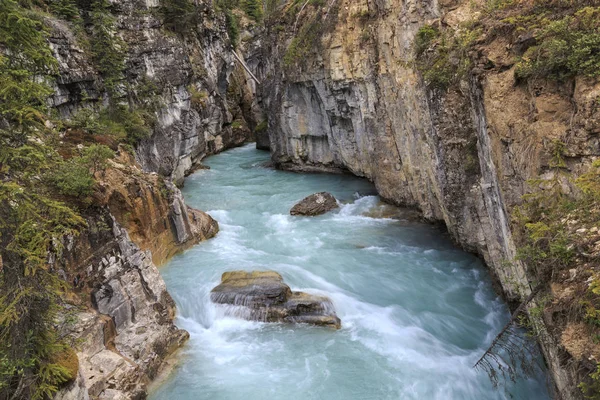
(462, 155)
(120, 313)
(122, 322)
(123, 339)
(190, 76)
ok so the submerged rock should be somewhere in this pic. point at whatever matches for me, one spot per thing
(315, 204)
(263, 296)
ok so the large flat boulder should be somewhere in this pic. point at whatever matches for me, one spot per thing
(315, 204)
(263, 296)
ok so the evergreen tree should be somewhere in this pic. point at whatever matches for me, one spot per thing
(179, 16)
(31, 222)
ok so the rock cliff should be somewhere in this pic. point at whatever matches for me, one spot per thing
(191, 78)
(200, 103)
(127, 330)
(344, 94)
(151, 209)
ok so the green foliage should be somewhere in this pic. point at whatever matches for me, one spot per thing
(591, 388)
(66, 9)
(491, 6)
(233, 27)
(270, 7)
(108, 49)
(22, 96)
(442, 57)
(547, 244)
(471, 158)
(136, 124)
(262, 126)
(589, 182)
(31, 222)
(303, 44)
(179, 16)
(198, 98)
(558, 154)
(425, 37)
(73, 178)
(231, 20)
(96, 157)
(119, 121)
(568, 47)
(565, 47)
(145, 94)
(253, 9)
(549, 219)
(365, 35)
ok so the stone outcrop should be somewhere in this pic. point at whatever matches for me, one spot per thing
(124, 334)
(463, 156)
(315, 204)
(151, 208)
(263, 296)
(200, 88)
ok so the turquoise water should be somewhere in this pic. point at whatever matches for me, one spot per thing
(416, 311)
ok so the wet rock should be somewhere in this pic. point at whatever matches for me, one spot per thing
(315, 204)
(263, 296)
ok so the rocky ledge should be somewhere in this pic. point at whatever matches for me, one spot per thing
(263, 296)
(315, 204)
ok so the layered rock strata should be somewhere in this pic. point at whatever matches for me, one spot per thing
(194, 78)
(127, 331)
(151, 208)
(463, 155)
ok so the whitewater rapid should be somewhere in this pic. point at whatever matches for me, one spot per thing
(416, 311)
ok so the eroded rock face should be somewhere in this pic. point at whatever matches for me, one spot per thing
(263, 296)
(188, 128)
(151, 209)
(315, 204)
(124, 336)
(462, 156)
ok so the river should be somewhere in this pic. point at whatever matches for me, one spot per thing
(416, 311)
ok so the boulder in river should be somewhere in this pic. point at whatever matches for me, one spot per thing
(263, 296)
(315, 204)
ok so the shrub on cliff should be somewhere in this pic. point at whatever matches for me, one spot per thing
(233, 27)
(96, 157)
(303, 43)
(441, 56)
(558, 233)
(73, 178)
(254, 9)
(565, 47)
(66, 9)
(178, 16)
(424, 38)
(124, 124)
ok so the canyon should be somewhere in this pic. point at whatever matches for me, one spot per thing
(326, 87)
